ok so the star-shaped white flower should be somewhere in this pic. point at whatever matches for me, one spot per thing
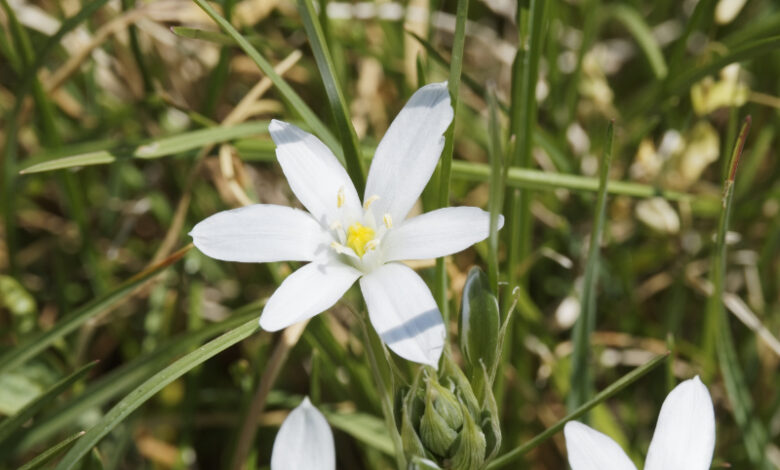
(304, 441)
(345, 240)
(684, 437)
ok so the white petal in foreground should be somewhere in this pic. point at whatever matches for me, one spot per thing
(403, 313)
(308, 291)
(684, 437)
(589, 449)
(314, 174)
(260, 233)
(407, 155)
(438, 233)
(304, 441)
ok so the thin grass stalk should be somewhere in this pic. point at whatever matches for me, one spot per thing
(524, 114)
(338, 104)
(581, 376)
(445, 166)
(753, 434)
(604, 395)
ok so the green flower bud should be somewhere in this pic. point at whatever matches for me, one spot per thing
(435, 433)
(409, 438)
(419, 463)
(470, 454)
(446, 404)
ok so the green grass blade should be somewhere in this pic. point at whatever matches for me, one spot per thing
(290, 96)
(39, 342)
(204, 35)
(15, 422)
(637, 26)
(604, 395)
(338, 104)
(523, 118)
(445, 165)
(155, 148)
(131, 375)
(149, 388)
(364, 427)
(581, 378)
(739, 53)
(753, 433)
(44, 457)
(538, 179)
(497, 186)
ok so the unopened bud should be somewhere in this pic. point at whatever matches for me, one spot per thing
(435, 432)
(470, 453)
(446, 404)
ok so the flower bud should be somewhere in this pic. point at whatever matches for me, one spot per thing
(470, 453)
(446, 404)
(435, 432)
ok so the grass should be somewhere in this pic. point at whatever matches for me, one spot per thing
(122, 128)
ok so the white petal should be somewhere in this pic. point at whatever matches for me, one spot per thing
(314, 174)
(260, 233)
(589, 449)
(684, 437)
(403, 313)
(308, 291)
(304, 441)
(409, 151)
(437, 233)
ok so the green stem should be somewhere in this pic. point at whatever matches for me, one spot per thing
(445, 168)
(605, 394)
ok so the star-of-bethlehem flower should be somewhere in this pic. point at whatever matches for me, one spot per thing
(304, 441)
(684, 437)
(344, 240)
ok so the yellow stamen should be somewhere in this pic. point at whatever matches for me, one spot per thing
(358, 236)
(388, 221)
(340, 197)
(370, 201)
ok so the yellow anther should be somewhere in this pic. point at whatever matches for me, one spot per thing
(370, 201)
(335, 225)
(358, 236)
(372, 244)
(388, 221)
(340, 197)
(339, 248)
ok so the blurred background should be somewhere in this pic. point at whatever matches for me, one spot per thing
(106, 167)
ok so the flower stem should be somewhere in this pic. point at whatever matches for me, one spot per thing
(372, 344)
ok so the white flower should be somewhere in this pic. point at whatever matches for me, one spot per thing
(304, 441)
(345, 240)
(684, 437)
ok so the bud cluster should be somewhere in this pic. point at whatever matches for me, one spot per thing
(446, 419)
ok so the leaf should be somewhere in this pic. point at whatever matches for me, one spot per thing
(154, 148)
(445, 163)
(289, 95)
(43, 458)
(753, 433)
(38, 343)
(130, 375)
(581, 378)
(364, 427)
(637, 26)
(605, 394)
(338, 104)
(149, 388)
(10, 428)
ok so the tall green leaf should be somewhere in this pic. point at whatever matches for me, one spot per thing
(18, 355)
(338, 104)
(146, 390)
(581, 377)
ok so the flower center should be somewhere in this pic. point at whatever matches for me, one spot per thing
(358, 236)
